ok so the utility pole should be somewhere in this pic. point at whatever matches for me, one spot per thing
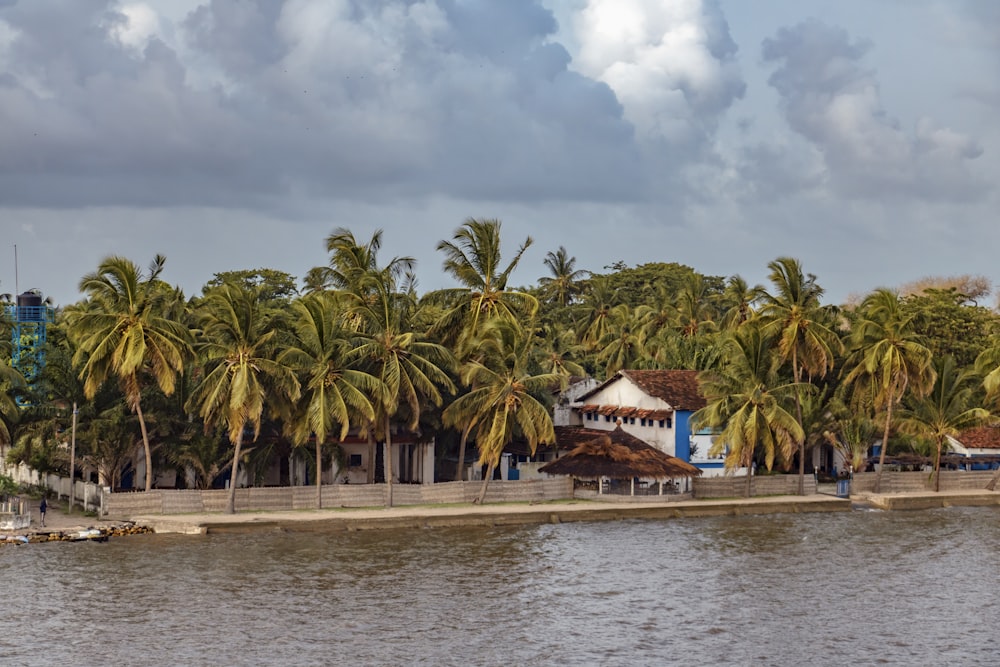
(72, 461)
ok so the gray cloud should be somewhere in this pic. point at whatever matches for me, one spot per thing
(833, 101)
(355, 99)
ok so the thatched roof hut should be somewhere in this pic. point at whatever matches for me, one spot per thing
(618, 455)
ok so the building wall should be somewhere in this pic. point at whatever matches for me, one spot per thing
(625, 393)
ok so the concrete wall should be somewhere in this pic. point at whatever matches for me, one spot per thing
(919, 482)
(86, 494)
(334, 496)
(761, 485)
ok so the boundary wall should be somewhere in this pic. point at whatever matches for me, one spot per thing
(921, 482)
(86, 494)
(164, 501)
(760, 485)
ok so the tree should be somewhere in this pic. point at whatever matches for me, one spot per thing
(502, 400)
(793, 315)
(123, 333)
(334, 393)
(623, 343)
(945, 411)
(409, 368)
(738, 301)
(745, 403)
(241, 373)
(887, 360)
(564, 284)
(273, 285)
(473, 257)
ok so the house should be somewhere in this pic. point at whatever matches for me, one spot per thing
(654, 406)
(975, 448)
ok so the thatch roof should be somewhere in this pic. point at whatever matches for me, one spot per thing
(619, 455)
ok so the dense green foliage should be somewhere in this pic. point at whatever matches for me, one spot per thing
(256, 363)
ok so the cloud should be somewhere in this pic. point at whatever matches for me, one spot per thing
(264, 104)
(672, 64)
(833, 101)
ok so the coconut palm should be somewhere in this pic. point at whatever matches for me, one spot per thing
(794, 316)
(746, 403)
(945, 411)
(10, 380)
(473, 258)
(887, 360)
(124, 332)
(241, 373)
(502, 402)
(598, 300)
(564, 284)
(623, 343)
(334, 394)
(739, 300)
(351, 261)
(410, 369)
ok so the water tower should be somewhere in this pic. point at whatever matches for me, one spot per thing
(29, 318)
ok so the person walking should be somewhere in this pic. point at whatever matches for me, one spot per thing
(42, 508)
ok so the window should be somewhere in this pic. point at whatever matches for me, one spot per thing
(631, 420)
(642, 422)
(355, 461)
(607, 418)
(587, 416)
(667, 423)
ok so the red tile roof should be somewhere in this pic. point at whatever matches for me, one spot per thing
(678, 388)
(983, 437)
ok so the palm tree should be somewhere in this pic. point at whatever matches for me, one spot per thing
(473, 258)
(564, 285)
(334, 393)
(409, 368)
(204, 454)
(745, 403)
(123, 332)
(598, 300)
(694, 308)
(623, 343)
(945, 411)
(793, 315)
(887, 360)
(351, 261)
(10, 380)
(739, 300)
(502, 400)
(241, 374)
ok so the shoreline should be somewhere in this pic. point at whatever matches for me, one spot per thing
(484, 515)
(74, 527)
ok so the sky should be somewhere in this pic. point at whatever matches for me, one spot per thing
(858, 136)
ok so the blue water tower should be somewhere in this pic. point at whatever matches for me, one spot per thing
(29, 317)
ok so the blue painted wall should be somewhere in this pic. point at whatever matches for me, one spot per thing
(682, 433)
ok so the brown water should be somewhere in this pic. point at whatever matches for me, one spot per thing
(823, 589)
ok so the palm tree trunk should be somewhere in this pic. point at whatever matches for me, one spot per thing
(463, 441)
(885, 445)
(231, 503)
(798, 415)
(319, 475)
(388, 465)
(371, 454)
(486, 481)
(145, 446)
(937, 467)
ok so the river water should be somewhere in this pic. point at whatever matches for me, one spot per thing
(904, 588)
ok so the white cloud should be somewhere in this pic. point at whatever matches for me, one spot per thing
(671, 64)
(141, 22)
